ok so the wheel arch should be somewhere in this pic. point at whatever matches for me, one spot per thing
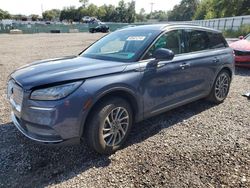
(225, 68)
(123, 93)
(228, 70)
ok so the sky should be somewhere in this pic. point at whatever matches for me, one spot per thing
(28, 7)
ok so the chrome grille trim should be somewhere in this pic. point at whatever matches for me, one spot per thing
(15, 95)
(18, 94)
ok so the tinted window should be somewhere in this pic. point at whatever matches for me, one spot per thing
(216, 40)
(196, 40)
(171, 40)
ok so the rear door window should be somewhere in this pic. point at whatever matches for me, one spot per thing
(196, 40)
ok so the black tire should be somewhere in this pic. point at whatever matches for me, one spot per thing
(91, 30)
(219, 94)
(102, 119)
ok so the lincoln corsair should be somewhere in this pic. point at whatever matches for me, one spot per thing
(125, 77)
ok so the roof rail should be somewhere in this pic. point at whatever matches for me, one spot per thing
(182, 23)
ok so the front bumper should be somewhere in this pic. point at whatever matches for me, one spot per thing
(38, 134)
(242, 61)
(51, 122)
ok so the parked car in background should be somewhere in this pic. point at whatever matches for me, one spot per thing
(95, 21)
(90, 20)
(100, 28)
(125, 77)
(242, 51)
(86, 19)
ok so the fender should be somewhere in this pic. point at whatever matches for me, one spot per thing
(106, 92)
(131, 93)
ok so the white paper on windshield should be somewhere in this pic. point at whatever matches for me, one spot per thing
(136, 38)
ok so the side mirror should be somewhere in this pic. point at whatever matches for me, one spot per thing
(241, 37)
(162, 54)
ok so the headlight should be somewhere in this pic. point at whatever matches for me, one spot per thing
(55, 93)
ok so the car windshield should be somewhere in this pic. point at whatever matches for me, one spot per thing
(248, 37)
(125, 46)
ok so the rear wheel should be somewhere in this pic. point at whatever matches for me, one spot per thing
(221, 87)
(109, 126)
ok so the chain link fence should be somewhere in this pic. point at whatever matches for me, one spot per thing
(32, 27)
(223, 24)
(230, 23)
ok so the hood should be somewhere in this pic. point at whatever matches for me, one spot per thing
(243, 45)
(64, 69)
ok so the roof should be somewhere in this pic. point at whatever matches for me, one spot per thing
(157, 27)
(163, 27)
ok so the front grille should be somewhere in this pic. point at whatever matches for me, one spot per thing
(241, 53)
(17, 95)
(10, 85)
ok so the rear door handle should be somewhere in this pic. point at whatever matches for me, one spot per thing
(183, 65)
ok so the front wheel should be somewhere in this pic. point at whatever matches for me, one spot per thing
(109, 126)
(220, 88)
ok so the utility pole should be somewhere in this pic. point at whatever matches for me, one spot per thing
(152, 6)
(42, 8)
(135, 4)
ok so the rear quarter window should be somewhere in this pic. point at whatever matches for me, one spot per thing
(216, 40)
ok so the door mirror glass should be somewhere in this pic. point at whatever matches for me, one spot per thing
(162, 54)
(241, 37)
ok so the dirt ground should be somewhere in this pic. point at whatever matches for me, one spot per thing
(197, 145)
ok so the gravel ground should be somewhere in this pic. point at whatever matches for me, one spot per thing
(197, 145)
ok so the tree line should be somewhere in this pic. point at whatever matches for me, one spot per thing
(208, 9)
(125, 12)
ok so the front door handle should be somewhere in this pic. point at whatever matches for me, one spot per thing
(161, 65)
(183, 65)
(216, 60)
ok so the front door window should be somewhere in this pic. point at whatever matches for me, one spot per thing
(171, 40)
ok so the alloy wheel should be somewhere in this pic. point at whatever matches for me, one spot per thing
(222, 86)
(115, 126)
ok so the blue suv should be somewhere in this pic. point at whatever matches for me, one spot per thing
(125, 77)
